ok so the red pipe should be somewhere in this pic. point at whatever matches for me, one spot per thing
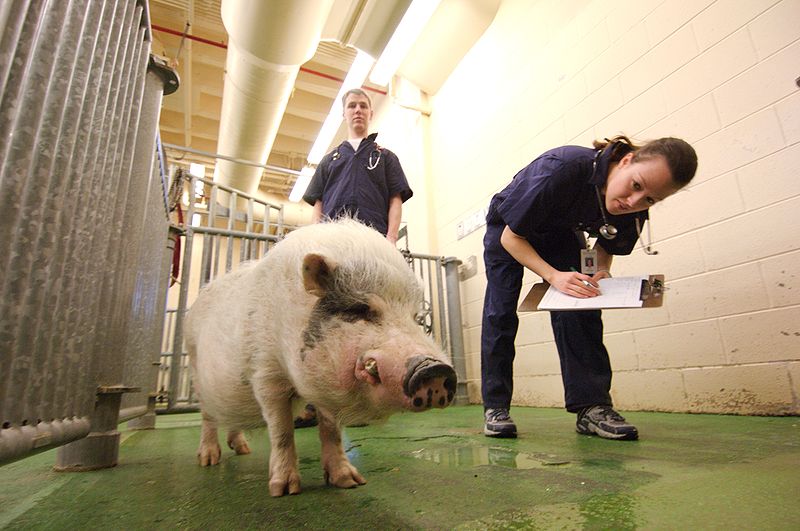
(225, 47)
(191, 37)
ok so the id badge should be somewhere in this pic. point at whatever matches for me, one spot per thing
(588, 261)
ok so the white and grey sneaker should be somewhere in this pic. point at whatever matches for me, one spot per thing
(605, 422)
(498, 423)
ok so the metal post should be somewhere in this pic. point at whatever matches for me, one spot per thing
(440, 293)
(176, 362)
(454, 328)
(100, 449)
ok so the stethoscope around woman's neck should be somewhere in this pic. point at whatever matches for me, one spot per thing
(609, 231)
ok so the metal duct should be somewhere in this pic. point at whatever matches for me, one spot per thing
(268, 41)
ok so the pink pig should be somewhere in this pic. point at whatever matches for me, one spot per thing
(327, 318)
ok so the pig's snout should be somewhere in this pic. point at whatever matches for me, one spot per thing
(429, 383)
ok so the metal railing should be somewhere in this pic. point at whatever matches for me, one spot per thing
(222, 237)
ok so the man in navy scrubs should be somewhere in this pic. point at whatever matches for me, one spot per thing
(360, 178)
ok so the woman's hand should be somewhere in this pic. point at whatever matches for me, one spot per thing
(576, 284)
(603, 273)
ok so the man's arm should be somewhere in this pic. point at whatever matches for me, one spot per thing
(316, 214)
(395, 215)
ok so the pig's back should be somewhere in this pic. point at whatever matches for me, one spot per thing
(354, 247)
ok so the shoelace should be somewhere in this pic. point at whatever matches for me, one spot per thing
(610, 414)
(499, 415)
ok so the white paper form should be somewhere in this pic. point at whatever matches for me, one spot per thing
(618, 292)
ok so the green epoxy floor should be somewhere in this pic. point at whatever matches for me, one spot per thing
(436, 471)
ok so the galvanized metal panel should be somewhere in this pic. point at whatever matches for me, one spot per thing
(83, 229)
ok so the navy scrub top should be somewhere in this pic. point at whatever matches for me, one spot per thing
(555, 196)
(346, 185)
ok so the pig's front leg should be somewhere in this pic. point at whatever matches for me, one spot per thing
(209, 451)
(276, 407)
(339, 472)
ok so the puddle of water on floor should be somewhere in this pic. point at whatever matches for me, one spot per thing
(469, 456)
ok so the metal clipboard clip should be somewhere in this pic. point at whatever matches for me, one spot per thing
(652, 292)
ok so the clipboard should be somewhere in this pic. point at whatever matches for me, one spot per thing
(651, 294)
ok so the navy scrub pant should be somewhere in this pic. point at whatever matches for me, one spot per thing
(585, 367)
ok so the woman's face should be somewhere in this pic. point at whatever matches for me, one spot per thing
(636, 186)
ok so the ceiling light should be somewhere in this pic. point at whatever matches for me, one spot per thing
(198, 170)
(417, 15)
(355, 79)
(301, 184)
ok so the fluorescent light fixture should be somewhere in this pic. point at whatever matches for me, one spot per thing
(406, 34)
(301, 184)
(355, 79)
(198, 170)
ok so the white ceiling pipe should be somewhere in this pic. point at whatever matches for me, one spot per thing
(267, 44)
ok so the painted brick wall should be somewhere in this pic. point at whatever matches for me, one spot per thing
(720, 74)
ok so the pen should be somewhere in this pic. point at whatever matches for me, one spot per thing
(585, 282)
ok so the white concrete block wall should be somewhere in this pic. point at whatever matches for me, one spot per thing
(719, 73)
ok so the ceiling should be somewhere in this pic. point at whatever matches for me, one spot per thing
(191, 36)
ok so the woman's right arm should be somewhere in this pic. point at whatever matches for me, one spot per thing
(569, 282)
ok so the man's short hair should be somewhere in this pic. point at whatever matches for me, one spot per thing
(355, 91)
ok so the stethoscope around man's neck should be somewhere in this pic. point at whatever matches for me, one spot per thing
(374, 156)
(607, 230)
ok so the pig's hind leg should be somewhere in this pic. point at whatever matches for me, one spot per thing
(209, 451)
(339, 472)
(237, 442)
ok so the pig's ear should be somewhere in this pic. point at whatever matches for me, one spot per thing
(317, 274)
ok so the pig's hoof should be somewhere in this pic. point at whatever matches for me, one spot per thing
(208, 454)
(278, 486)
(343, 476)
(238, 443)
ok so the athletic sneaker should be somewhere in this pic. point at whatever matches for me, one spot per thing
(605, 422)
(499, 424)
(307, 419)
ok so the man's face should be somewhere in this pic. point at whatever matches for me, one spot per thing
(357, 114)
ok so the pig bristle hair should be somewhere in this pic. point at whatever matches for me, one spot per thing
(377, 268)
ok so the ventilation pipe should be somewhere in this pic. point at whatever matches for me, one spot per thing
(267, 44)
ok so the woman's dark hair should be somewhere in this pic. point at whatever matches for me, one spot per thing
(680, 156)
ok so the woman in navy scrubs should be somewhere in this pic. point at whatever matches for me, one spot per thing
(538, 222)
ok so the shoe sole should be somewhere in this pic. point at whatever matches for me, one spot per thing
(607, 434)
(500, 434)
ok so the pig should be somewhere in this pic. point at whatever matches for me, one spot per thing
(327, 317)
